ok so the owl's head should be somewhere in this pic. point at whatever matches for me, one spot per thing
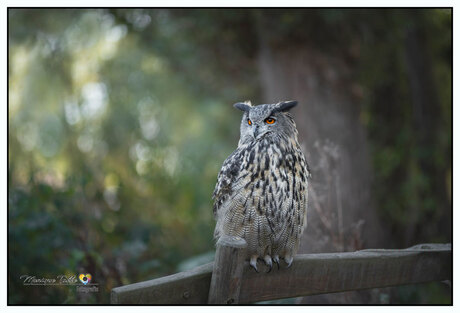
(271, 121)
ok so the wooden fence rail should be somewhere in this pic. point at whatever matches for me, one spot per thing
(226, 281)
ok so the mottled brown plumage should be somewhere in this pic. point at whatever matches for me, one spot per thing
(261, 191)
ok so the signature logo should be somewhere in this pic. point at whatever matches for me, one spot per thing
(85, 278)
(47, 281)
(69, 280)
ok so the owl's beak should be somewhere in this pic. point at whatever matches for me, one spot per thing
(255, 132)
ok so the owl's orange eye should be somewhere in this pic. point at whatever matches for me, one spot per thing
(249, 122)
(269, 120)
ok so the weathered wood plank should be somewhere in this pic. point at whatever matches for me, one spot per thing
(227, 273)
(309, 274)
(190, 287)
(335, 272)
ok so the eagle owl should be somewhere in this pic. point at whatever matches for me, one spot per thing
(261, 191)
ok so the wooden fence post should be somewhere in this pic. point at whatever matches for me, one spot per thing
(227, 271)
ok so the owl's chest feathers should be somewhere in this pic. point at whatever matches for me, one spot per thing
(264, 160)
(273, 173)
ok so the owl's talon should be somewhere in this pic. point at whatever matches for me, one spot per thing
(253, 263)
(268, 262)
(276, 259)
(288, 261)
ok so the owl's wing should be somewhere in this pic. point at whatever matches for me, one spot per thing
(228, 173)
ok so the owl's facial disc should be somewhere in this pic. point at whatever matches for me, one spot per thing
(261, 126)
(268, 121)
(261, 121)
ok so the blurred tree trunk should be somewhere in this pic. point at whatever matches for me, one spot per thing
(342, 215)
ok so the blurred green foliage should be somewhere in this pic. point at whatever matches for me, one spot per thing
(112, 156)
(412, 163)
(119, 121)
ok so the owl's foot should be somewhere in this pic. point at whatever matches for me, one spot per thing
(268, 262)
(276, 259)
(253, 263)
(288, 260)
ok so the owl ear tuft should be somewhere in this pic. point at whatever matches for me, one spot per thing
(243, 106)
(285, 106)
